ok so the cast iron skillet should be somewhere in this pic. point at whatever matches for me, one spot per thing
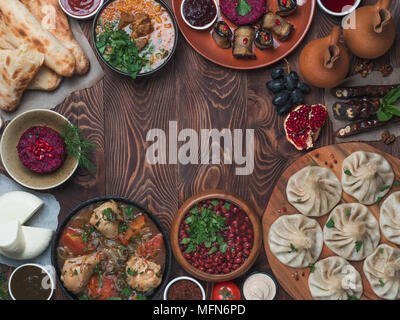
(62, 225)
(139, 75)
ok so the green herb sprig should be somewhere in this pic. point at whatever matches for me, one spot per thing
(3, 291)
(77, 146)
(387, 109)
(243, 8)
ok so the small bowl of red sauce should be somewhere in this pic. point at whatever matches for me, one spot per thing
(338, 7)
(80, 9)
(216, 236)
(199, 14)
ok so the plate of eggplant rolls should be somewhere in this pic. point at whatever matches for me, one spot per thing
(247, 34)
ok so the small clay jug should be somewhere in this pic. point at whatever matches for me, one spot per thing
(324, 62)
(370, 31)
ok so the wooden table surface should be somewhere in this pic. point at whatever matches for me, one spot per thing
(117, 113)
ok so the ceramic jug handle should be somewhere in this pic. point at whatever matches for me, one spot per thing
(332, 53)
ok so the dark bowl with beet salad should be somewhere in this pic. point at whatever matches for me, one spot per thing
(216, 236)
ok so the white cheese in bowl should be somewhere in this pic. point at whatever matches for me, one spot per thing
(11, 238)
(18, 205)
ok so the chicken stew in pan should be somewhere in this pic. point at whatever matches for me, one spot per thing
(111, 251)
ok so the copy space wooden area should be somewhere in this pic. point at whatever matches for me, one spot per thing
(117, 113)
(323, 158)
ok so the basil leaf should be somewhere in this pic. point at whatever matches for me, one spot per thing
(392, 96)
(383, 115)
(392, 110)
(243, 8)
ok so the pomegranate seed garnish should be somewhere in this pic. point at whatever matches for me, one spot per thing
(225, 27)
(284, 2)
(267, 37)
(277, 22)
(245, 40)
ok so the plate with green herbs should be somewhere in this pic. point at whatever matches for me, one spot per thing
(135, 38)
(75, 149)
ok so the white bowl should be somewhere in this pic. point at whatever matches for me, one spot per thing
(35, 265)
(203, 27)
(339, 14)
(203, 293)
(81, 17)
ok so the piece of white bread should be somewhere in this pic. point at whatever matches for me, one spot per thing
(52, 18)
(20, 27)
(17, 69)
(45, 79)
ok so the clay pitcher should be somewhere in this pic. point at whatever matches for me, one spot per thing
(370, 31)
(324, 62)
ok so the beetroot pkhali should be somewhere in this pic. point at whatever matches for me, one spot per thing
(41, 149)
(229, 9)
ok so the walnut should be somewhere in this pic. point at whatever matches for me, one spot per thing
(386, 70)
(388, 138)
(364, 68)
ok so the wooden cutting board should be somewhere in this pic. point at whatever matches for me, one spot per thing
(329, 157)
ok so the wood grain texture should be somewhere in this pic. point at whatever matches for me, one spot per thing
(322, 157)
(118, 112)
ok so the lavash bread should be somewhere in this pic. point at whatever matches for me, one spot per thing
(295, 240)
(19, 26)
(18, 68)
(367, 176)
(52, 18)
(314, 191)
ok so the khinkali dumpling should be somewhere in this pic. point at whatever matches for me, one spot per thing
(335, 279)
(382, 269)
(314, 191)
(367, 176)
(352, 231)
(390, 218)
(296, 240)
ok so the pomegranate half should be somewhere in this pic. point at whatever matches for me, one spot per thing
(303, 125)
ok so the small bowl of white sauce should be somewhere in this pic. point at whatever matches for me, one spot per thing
(259, 286)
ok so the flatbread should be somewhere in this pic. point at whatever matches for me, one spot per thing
(17, 69)
(52, 18)
(19, 26)
(45, 80)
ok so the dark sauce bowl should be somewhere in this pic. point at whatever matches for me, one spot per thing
(139, 75)
(60, 230)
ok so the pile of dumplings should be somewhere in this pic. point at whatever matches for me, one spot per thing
(352, 232)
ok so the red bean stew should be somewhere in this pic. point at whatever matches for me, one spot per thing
(216, 236)
(111, 251)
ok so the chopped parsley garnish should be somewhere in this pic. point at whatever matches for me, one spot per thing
(129, 212)
(86, 235)
(358, 245)
(227, 205)
(123, 227)
(330, 224)
(109, 214)
(114, 298)
(298, 200)
(99, 272)
(378, 201)
(127, 292)
(214, 202)
(348, 212)
(381, 250)
(381, 283)
(243, 8)
(204, 228)
(353, 297)
(293, 248)
(120, 50)
(313, 164)
(397, 184)
(384, 188)
(75, 272)
(84, 297)
(312, 267)
(140, 296)
(131, 272)
(348, 172)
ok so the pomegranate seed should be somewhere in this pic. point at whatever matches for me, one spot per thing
(245, 40)
(277, 22)
(266, 37)
(225, 27)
